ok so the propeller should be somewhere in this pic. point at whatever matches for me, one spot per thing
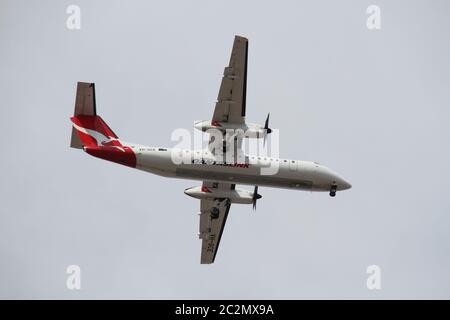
(256, 196)
(266, 128)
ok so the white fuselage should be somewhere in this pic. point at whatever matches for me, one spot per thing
(255, 170)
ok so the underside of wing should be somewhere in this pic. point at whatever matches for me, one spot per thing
(231, 101)
(213, 216)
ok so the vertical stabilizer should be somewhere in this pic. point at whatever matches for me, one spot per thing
(85, 106)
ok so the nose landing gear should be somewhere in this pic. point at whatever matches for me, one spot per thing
(333, 190)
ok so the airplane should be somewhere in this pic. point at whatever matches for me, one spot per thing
(218, 172)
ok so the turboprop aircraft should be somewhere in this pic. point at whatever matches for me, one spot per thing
(220, 167)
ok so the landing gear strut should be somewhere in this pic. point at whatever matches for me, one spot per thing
(333, 191)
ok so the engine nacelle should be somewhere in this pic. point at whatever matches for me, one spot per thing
(249, 130)
(235, 196)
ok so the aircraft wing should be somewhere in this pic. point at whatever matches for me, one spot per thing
(230, 105)
(213, 216)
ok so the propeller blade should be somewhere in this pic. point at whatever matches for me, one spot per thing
(256, 196)
(267, 130)
(266, 125)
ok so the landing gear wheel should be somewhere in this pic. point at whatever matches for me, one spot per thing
(215, 212)
(333, 191)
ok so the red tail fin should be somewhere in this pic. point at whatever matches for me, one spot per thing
(84, 105)
(93, 131)
(92, 134)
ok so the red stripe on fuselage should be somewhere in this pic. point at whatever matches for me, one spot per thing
(121, 155)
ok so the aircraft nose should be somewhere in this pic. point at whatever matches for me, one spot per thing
(340, 182)
(344, 185)
(332, 179)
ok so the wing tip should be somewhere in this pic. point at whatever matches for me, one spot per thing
(238, 37)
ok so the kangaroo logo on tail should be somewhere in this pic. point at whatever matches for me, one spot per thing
(101, 140)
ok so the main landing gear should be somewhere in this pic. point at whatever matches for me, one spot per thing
(333, 191)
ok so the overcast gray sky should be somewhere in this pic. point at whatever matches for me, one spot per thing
(371, 105)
